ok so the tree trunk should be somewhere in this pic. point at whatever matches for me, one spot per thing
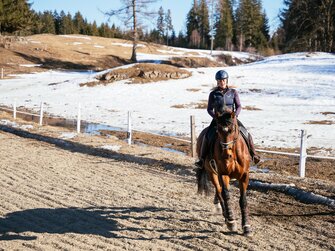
(328, 25)
(133, 55)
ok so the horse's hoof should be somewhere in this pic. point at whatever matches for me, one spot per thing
(217, 209)
(231, 226)
(247, 230)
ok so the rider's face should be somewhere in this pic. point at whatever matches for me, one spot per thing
(222, 83)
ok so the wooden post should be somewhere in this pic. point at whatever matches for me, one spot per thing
(303, 154)
(129, 128)
(41, 114)
(14, 110)
(193, 140)
(78, 118)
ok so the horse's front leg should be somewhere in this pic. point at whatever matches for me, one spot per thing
(218, 193)
(243, 184)
(230, 220)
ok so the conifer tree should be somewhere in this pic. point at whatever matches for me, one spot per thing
(168, 25)
(48, 24)
(78, 23)
(95, 31)
(65, 23)
(15, 16)
(57, 22)
(265, 26)
(160, 24)
(249, 24)
(204, 24)
(224, 25)
(308, 25)
(192, 25)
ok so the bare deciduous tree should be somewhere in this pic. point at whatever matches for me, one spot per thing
(131, 13)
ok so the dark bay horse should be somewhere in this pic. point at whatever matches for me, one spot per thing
(230, 161)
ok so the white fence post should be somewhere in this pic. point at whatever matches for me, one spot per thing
(78, 118)
(129, 128)
(193, 142)
(14, 110)
(41, 114)
(303, 154)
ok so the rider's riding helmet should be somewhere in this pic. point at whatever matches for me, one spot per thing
(221, 75)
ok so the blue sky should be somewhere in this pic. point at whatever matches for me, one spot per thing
(179, 8)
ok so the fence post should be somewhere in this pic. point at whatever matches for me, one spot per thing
(41, 114)
(14, 110)
(193, 142)
(129, 128)
(78, 118)
(303, 154)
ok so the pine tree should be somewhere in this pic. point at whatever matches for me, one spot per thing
(249, 24)
(15, 16)
(78, 23)
(65, 23)
(95, 31)
(57, 21)
(192, 25)
(224, 26)
(204, 24)
(48, 24)
(265, 26)
(308, 25)
(168, 25)
(160, 24)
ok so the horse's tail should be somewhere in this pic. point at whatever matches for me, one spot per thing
(203, 181)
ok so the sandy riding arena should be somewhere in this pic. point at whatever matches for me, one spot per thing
(74, 195)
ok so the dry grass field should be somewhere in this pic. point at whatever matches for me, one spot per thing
(77, 52)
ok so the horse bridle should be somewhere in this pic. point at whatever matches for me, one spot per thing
(225, 145)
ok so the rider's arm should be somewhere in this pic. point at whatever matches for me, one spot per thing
(237, 103)
(210, 107)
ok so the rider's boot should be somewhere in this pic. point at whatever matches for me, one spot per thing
(203, 152)
(255, 157)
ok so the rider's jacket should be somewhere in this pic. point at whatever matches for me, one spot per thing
(225, 98)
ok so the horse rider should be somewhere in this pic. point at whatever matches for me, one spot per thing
(230, 98)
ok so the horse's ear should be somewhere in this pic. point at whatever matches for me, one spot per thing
(227, 110)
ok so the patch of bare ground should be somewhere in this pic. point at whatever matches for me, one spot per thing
(193, 90)
(251, 108)
(255, 90)
(140, 74)
(73, 194)
(328, 113)
(320, 122)
(195, 62)
(202, 105)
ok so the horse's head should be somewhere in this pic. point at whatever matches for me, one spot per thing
(226, 121)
